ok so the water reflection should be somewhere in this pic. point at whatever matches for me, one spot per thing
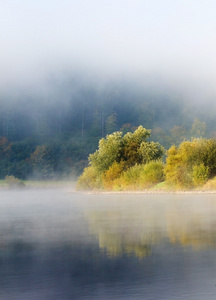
(134, 227)
(57, 245)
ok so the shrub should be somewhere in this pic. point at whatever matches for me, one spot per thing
(129, 179)
(152, 173)
(140, 177)
(210, 184)
(89, 180)
(200, 174)
(111, 174)
(14, 182)
(192, 163)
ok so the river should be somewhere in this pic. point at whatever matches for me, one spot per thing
(58, 244)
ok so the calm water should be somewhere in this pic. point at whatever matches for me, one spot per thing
(61, 245)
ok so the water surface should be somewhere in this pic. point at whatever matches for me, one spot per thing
(56, 244)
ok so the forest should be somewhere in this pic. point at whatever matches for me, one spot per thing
(50, 134)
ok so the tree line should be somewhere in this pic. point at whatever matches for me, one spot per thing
(131, 162)
(51, 135)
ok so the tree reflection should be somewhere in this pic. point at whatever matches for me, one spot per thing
(134, 230)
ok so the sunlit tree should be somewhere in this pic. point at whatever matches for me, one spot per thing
(117, 153)
(192, 163)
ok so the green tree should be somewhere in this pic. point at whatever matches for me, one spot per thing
(132, 148)
(116, 154)
(109, 150)
(5, 147)
(150, 151)
(43, 161)
(131, 145)
(191, 163)
(136, 150)
(198, 129)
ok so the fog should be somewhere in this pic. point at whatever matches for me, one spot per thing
(166, 42)
(63, 245)
(74, 71)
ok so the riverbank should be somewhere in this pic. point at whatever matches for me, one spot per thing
(71, 186)
(187, 192)
(164, 188)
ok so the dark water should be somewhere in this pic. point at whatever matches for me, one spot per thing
(61, 245)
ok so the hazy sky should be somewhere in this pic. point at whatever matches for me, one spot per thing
(174, 39)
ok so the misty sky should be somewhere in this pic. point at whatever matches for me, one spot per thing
(174, 40)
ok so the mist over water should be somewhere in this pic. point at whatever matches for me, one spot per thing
(57, 244)
(65, 68)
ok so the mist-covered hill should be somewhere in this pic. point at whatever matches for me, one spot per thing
(73, 71)
(50, 132)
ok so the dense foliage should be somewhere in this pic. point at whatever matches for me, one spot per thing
(130, 162)
(119, 156)
(192, 163)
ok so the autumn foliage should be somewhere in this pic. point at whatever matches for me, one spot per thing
(117, 157)
(192, 163)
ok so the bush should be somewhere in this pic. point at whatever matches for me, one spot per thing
(89, 180)
(111, 174)
(153, 173)
(200, 174)
(192, 163)
(129, 180)
(14, 182)
(210, 184)
(140, 177)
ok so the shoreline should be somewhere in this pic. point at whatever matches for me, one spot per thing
(151, 192)
(37, 184)
(71, 187)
